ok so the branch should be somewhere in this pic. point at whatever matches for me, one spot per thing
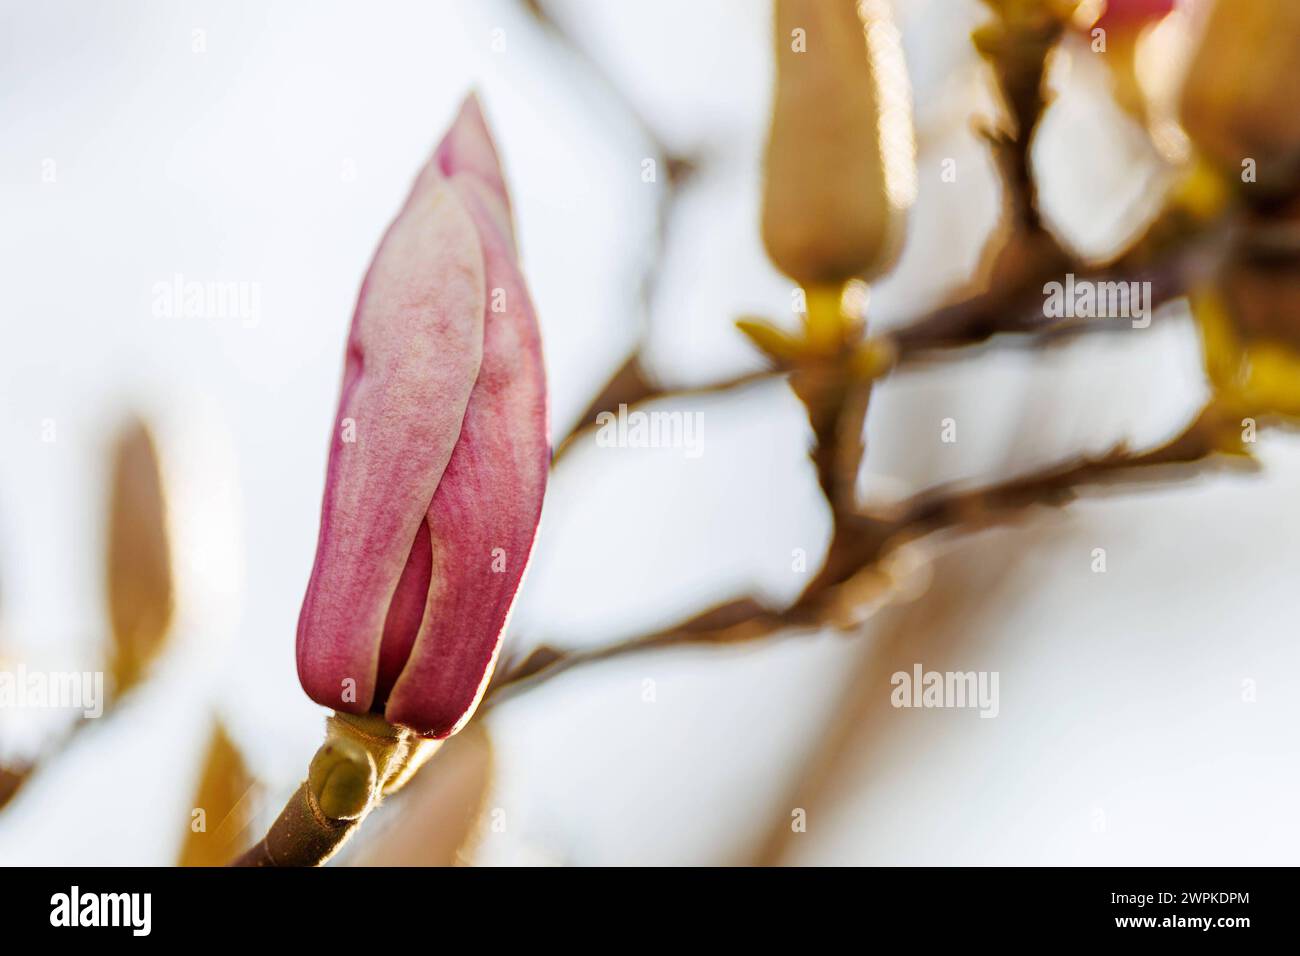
(859, 550)
(11, 778)
(630, 386)
(1169, 257)
(14, 776)
(362, 760)
(1017, 310)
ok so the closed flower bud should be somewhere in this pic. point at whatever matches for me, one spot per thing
(1241, 98)
(840, 155)
(439, 457)
(139, 566)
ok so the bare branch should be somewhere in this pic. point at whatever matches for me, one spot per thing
(861, 545)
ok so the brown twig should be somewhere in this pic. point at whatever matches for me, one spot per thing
(362, 760)
(14, 776)
(1169, 257)
(1017, 311)
(11, 778)
(630, 386)
(861, 545)
(300, 836)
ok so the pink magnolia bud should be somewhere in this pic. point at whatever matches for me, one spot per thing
(1133, 14)
(1240, 96)
(439, 457)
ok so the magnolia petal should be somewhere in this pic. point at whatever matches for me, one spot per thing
(483, 519)
(467, 151)
(402, 625)
(1238, 101)
(413, 356)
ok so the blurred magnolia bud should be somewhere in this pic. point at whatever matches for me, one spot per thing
(139, 578)
(1241, 99)
(223, 810)
(1126, 15)
(840, 155)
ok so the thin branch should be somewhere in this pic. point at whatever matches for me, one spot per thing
(14, 776)
(362, 760)
(1002, 314)
(1018, 310)
(11, 778)
(630, 386)
(862, 545)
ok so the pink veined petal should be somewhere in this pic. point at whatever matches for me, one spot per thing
(484, 516)
(468, 144)
(406, 612)
(468, 148)
(413, 356)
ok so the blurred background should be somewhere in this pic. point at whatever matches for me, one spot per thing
(1147, 714)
